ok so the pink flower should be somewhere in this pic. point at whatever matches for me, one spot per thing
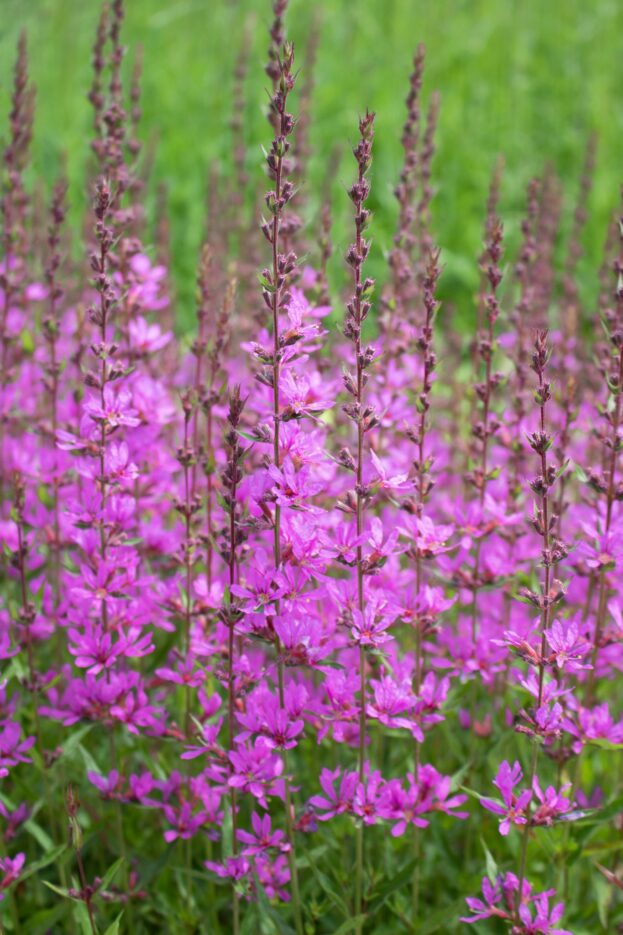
(381, 547)
(263, 837)
(514, 808)
(115, 411)
(425, 538)
(391, 701)
(552, 804)
(499, 899)
(601, 550)
(255, 769)
(185, 823)
(545, 919)
(260, 590)
(119, 467)
(294, 488)
(399, 483)
(273, 874)
(369, 629)
(145, 337)
(11, 868)
(94, 650)
(12, 750)
(234, 868)
(335, 802)
(274, 724)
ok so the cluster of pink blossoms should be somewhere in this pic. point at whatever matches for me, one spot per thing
(284, 579)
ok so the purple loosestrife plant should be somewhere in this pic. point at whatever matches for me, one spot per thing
(51, 328)
(364, 419)
(233, 536)
(275, 281)
(401, 259)
(14, 206)
(422, 465)
(553, 550)
(250, 628)
(604, 481)
(486, 427)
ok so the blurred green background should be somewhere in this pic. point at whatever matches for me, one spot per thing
(526, 78)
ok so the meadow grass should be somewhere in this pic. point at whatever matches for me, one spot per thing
(529, 80)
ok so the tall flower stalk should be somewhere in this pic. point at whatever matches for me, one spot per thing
(422, 214)
(363, 418)
(605, 481)
(233, 537)
(51, 326)
(488, 424)
(188, 505)
(423, 462)
(275, 281)
(104, 350)
(423, 486)
(210, 397)
(553, 551)
(402, 260)
(13, 208)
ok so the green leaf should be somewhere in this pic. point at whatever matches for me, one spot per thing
(266, 910)
(247, 435)
(603, 894)
(492, 867)
(605, 744)
(458, 776)
(44, 861)
(28, 342)
(327, 889)
(110, 874)
(89, 762)
(154, 869)
(73, 743)
(399, 880)
(601, 815)
(16, 669)
(44, 921)
(442, 918)
(350, 925)
(113, 929)
(59, 890)
(82, 915)
(474, 794)
(39, 835)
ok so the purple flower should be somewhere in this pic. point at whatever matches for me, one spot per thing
(601, 550)
(94, 650)
(544, 920)
(115, 411)
(335, 802)
(146, 337)
(398, 483)
(273, 874)
(185, 823)
(12, 750)
(234, 868)
(11, 867)
(368, 628)
(552, 804)
(568, 647)
(263, 837)
(514, 806)
(255, 770)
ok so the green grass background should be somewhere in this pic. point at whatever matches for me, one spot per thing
(526, 78)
